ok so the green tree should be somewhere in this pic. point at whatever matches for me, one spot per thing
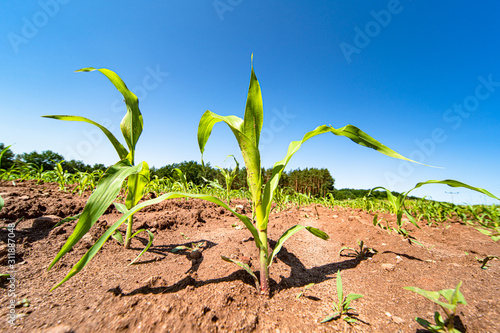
(47, 159)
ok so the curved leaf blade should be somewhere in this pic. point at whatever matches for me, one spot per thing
(254, 110)
(351, 297)
(150, 241)
(172, 195)
(132, 123)
(340, 290)
(106, 191)
(122, 152)
(455, 183)
(287, 234)
(136, 184)
(245, 267)
(349, 131)
(249, 150)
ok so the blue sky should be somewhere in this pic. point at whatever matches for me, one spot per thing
(423, 78)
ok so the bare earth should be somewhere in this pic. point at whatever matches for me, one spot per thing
(169, 292)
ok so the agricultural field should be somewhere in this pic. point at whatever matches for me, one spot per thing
(181, 283)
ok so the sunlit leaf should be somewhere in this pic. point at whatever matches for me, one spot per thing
(287, 234)
(132, 123)
(122, 152)
(245, 267)
(98, 202)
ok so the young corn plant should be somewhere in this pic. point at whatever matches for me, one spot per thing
(484, 262)
(247, 132)
(229, 176)
(343, 306)
(398, 203)
(453, 296)
(361, 254)
(303, 292)
(109, 186)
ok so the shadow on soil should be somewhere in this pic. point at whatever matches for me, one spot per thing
(300, 276)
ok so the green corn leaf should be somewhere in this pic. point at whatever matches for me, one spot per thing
(2, 202)
(287, 234)
(349, 131)
(180, 248)
(172, 195)
(351, 297)
(424, 323)
(122, 152)
(249, 150)
(245, 267)
(432, 295)
(67, 219)
(329, 318)
(390, 197)
(439, 320)
(132, 123)
(182, 178)
(454, 183)
(150, 241)
(118, 236)
(98, 202)
(340, 291)
(454, 296)
(120, 207)
(254, 111)
(136, 184)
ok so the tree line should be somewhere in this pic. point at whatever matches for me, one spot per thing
(311, 181)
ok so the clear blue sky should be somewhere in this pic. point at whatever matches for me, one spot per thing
(423, 78)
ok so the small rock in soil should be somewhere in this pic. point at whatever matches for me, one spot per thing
(45, 222)
(194, 255)
(389, 267)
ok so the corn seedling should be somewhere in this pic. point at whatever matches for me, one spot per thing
(343, 307)
(194, 251)
(453, 296)
(247, 132)
(494, 233)
(361, 254)
(137, 176)
(484, 262)
(398, 202)
(229, 176)
(194, 247)
(303, 292)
